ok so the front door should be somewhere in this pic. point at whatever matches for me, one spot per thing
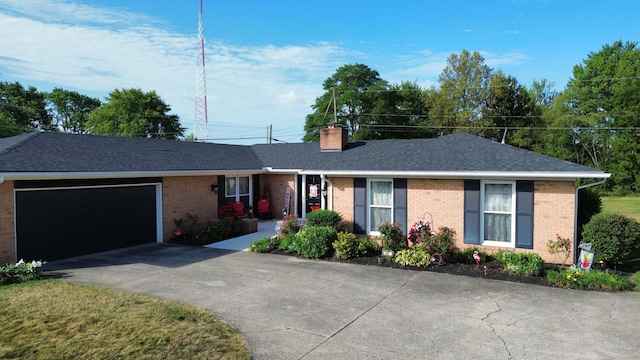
(314, 191)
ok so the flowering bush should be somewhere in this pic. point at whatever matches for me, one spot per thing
(20, 272)
(290, 225)
(392, 237)
(420, 231)
(439, 243)
(560, 246)
(227, 210)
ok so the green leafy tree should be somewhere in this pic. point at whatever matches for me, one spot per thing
(464, 86)
(22, 110)
(510, 106)
(605, 90)
(134, 113)
(356, 90)
(399, 113)
(71, 109)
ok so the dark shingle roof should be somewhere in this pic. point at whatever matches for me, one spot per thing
(459, 152)
(456, 153)
(60, 152)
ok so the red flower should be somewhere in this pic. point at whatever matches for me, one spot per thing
(177, 232)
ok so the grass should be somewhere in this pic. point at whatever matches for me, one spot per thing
(625, 205)
(628, 206)
(52, 319)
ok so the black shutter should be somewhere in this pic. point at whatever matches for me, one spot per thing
(360, 205)
(400, 203)
(472, 212)
(221, 191)
(524, 214)
(299, 194)
(255, 179)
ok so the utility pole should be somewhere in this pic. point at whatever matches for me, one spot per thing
(269, 134)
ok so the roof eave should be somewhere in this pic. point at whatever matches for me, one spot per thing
(503, 175)
(120, 174)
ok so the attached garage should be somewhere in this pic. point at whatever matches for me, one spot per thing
(61, 219)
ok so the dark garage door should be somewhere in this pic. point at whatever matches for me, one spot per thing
(60, 223)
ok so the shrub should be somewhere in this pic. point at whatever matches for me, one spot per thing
(635, 280)
(290, 225)
(20, 272)
(392, 237)
(348, 246)
(613, 237)
(314, 242)
(575, 278)
(324, 217)
(263, 245)
(589, 204)
(466, 256)
(287, 243)
(560, 245)
(440, 242)
(417, 256)
(519, 263)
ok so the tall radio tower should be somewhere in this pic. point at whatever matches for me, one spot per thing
(201, 121)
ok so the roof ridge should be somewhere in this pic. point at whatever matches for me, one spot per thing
(27, 138)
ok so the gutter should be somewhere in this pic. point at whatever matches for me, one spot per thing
(575, 217)
(58, 175)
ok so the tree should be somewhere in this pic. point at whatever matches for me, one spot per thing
(463, 91)
(398, 113)
(510, 108)
(134, 113)
(356, 91)
(605, 89)
(71, 109)
(22, 110)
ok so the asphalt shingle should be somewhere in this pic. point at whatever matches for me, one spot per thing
(460, 152)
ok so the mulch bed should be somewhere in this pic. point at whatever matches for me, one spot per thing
(493, 269)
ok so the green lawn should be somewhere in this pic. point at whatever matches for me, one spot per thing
(625, 205)
(52, 319)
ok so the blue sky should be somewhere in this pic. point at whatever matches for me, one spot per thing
(266, 60)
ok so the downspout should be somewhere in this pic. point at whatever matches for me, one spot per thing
(326, 201)
(575, 217)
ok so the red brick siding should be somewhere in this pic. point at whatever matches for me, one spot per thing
(188, 194)
(7, 233)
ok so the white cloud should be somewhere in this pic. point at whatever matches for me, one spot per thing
(93, 50)
(59, 43)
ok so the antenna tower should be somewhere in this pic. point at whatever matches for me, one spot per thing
(201, 121)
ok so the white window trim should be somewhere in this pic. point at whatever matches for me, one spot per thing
(511, 244)
(238, 194)
(375, 232)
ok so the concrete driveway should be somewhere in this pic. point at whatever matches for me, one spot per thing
(288, 308)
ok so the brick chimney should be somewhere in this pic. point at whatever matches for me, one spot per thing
(333, 138)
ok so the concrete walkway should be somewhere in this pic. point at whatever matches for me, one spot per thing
(289, 308)
(266, 228)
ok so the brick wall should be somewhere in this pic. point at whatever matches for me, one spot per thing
(444, 201)
(343, 199)
(554, 204)
(7, 233)
(277, 184)
(188, 194)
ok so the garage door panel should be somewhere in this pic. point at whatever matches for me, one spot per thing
(60, 223)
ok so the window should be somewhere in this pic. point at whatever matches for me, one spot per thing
(498, 207)
(236, 187)
(380, 203)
